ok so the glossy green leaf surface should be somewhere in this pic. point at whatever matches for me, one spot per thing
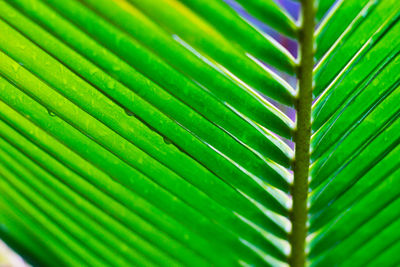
(272, 14)
(199, 34)
(236, 29)
(184, 132)
(366, 28)
(354, 201)
(324, 6)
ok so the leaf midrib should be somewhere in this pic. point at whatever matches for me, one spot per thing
(302, 136)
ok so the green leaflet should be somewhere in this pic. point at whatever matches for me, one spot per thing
(235, 29)
(356, 76)
(128, 200)
(128, 18)
(324, 6)
(270, 13)
(109, 231)
(353, 203)
(371, 121)
(348, 197)
(161, 123)
(357, 216)
(385, 240)
(134, 162)
(358, 36)
(360, 248)
(388, 256)
(56, 109)
(345, 13)
(12, 216)
(380, 89)
(93, 251)
(199, 37)
(181, 113)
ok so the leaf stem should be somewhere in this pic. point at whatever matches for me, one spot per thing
(302, 136)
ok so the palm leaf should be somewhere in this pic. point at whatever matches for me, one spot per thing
(158, 133)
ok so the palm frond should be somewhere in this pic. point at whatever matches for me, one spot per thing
(155, 133)
(153, 142)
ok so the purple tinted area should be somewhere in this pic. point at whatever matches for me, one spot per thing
(292, 7)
